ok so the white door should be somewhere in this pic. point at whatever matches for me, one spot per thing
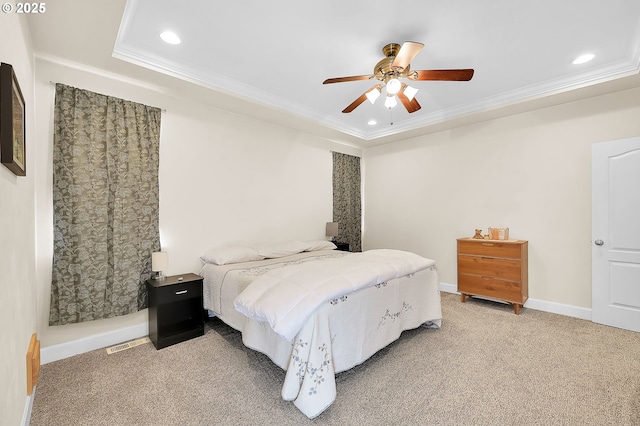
(616, 233)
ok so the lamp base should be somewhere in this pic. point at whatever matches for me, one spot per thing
(159, 277)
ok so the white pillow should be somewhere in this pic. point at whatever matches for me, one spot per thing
(231, 254)
(282, 249)
(319, 245)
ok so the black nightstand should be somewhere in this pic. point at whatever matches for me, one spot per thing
(175, 309)
(342, 246)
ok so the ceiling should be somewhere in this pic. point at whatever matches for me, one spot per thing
(268, 60)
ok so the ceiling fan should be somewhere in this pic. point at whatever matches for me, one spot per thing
(391, 69)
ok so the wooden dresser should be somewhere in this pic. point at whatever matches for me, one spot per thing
(496, 269)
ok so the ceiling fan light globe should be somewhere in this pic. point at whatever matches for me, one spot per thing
(373, 94)
(390, 102)
(410, 92)
(393, 86)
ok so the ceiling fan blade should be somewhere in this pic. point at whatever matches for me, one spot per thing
(411, 105)
(343, 79)
(407, 52)
(447, 75)
(353, 105)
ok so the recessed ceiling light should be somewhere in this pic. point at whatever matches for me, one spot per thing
(372, 122)
(583, 58)
(170, 37)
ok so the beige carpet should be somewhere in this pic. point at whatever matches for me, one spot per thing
(486, 366)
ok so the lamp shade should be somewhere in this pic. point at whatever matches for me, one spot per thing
(373, 94)
(332, 229)
(159, 261)
(410, 92)
(390, 102)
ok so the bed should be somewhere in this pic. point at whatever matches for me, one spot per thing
(316, 311)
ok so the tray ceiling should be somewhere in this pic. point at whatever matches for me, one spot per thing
(276, 55)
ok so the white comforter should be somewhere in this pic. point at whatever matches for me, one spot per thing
(341, 333)
(286, 298)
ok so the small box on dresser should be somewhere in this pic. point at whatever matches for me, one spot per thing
(496, 269)
(176, 310)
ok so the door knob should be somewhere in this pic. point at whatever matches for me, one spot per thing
(599, 242)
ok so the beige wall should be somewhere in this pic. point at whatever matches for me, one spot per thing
(224, 179)
(530, 172)
(17, 236)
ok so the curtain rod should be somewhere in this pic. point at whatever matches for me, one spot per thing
(164, 110)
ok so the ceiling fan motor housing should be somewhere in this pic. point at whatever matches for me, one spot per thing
(383, 70)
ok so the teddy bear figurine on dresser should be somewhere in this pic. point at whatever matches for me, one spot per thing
(478, 235)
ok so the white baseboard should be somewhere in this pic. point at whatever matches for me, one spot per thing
(448, 288)
(87, 344)
(539, 305)
(28, 407)
(559, 308)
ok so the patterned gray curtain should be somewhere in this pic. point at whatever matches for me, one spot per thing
(347, 207)
(105, 205)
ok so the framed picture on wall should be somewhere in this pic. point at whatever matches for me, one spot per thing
(12, 122)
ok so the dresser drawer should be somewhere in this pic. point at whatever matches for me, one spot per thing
(176, 292)
(498, 268)
(509, 291)
(490, 248)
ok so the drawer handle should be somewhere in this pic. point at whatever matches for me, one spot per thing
(181, 292)
(488, 244)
